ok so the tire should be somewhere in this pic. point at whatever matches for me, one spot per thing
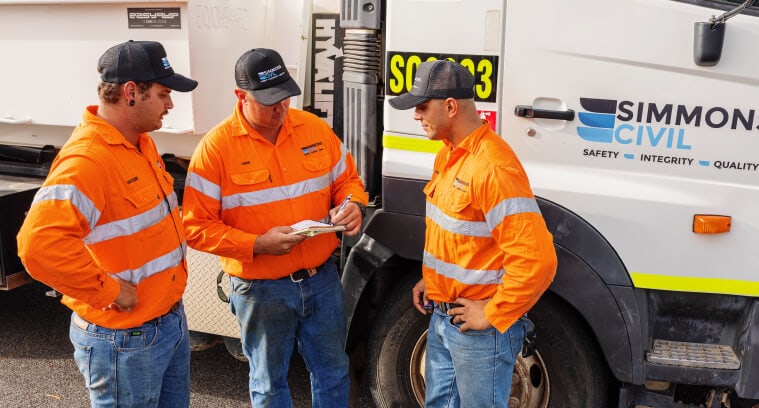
(234, 348)
(396, 351)
(573, 364)
(566, 371)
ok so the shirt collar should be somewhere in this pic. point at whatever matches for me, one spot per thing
(471, 141)
(110, 134)
(240, 127)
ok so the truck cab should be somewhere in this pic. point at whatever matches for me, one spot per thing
(635, 121)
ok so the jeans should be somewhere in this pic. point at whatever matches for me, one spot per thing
(273, 316)
(144, 366)
(470, 369)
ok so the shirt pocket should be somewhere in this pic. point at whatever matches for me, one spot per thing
(429, 189)
(459, 201)
(316, 163)
(144, 196)
(250, 178)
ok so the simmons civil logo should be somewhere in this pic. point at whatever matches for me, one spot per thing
(607, 121)
(624, 124)
(654, 125)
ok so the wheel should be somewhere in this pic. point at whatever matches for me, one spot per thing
(202, 341)
(234, 347)
(565, 371)
(396, 351)
(573, 365)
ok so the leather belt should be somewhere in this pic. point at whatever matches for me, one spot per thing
(445, 306)
(302, 274)
(83, 324)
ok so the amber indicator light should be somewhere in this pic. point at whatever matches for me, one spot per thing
(711, 224)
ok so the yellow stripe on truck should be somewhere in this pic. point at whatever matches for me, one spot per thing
(413, 144)
(692, 284)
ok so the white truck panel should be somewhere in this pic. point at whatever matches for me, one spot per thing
(51, 50)
(645, 197)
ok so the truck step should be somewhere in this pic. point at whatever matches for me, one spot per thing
(693, 355)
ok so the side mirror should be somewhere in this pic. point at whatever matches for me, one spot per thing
(708, 37)
(707, 43)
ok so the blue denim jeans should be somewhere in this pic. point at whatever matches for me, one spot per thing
(144, 366)
(471, 368)
(274, 315)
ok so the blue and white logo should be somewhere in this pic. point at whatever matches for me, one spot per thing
(598, 120)
(652, 128)
(165, 62)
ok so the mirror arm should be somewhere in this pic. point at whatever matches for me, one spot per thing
(730, 13)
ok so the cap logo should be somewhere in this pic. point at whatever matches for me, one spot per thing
(270, 74)
(165, 62)
(417, 80)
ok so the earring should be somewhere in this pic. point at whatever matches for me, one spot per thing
(131, 102)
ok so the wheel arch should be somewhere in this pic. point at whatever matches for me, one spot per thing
(592, 279)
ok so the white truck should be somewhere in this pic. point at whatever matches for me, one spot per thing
(636, 121)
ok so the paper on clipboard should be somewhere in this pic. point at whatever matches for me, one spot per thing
(311, 228)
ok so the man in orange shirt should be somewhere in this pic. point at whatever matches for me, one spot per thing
(105, 231)
(488, 255)
(260, 171)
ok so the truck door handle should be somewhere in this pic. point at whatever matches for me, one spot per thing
(526, 111)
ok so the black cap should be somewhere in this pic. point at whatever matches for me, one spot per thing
(141, 61)
(262, 72)
(439, 79)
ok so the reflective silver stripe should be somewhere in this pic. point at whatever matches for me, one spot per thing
(154, 266)
(204, 186)
(274, 194)
(133, 224)
(69, 192)
(510, 206)
(339, 168)
(465, 276)
(459, 227)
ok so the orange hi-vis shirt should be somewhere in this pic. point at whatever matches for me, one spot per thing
(107, 208)
(485, 238)
(240, 185)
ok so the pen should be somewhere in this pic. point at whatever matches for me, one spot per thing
(345, 202)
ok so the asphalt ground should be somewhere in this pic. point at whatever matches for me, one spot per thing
(37, 368)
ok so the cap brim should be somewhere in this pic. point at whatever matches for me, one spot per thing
(178, 82)
(276, 93)
(407, 101)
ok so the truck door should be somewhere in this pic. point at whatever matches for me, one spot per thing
(656, 142)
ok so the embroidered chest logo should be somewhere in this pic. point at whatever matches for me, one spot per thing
(132, 180)
(245, 163)
(313, 148)
(460, 185)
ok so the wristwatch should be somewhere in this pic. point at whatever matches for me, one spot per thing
(360, 207)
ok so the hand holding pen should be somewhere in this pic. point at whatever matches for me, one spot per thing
(345, 203)
(348, 215)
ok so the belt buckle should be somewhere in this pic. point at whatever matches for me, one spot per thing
(300, 277)
(301, 274)
(446, 306)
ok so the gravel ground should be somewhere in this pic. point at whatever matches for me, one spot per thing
(37, 368)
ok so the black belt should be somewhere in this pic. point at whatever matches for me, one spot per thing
(302, 274)
(445, 306)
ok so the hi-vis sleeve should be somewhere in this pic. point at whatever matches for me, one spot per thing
(347, 180)
(51, 239)
(529, 259)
